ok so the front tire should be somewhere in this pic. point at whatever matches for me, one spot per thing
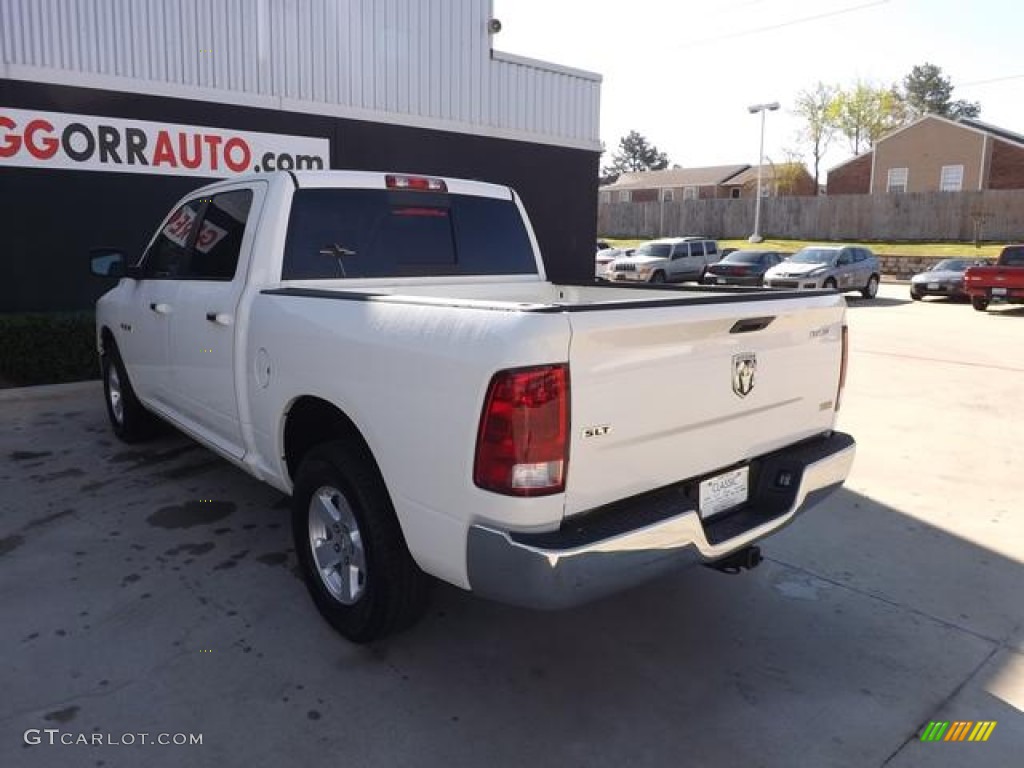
(350, 546)
(980, 303)
(831, 284)
(129, 419)
(914, 295)
(658, 277)
(871, 289)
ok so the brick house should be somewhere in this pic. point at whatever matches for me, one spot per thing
(777, 180)
(670, 185)
(934, 154)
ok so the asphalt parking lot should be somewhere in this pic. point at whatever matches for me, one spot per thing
(151, 590)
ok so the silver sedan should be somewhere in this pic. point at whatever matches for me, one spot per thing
(944, 279)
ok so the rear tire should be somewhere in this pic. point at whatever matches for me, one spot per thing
(871, 289)
(129, 419)
(979, 303)
(350, 546)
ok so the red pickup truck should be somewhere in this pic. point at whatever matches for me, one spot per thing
(1002, 282)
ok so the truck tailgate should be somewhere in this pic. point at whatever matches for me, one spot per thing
(664, 394)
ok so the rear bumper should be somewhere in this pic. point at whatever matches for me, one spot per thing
(629, 542)
(712, 279)
(1007, 293)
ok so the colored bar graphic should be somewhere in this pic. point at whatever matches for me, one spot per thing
(983, 730)
(958, 730)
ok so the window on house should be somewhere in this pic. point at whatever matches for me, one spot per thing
(624, 196)
(666, 195)
(689, 193)
(734, 193)
(766, 190)
(897, 180)
(952, 178)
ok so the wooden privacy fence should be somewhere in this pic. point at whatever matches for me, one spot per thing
(956, 216)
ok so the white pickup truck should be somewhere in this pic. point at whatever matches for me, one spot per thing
(386, 349)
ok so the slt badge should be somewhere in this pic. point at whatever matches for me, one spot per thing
(743, 369)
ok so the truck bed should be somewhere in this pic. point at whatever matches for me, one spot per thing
(653, 365)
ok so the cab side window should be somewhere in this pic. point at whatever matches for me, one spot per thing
(218, 240)
(167, 256)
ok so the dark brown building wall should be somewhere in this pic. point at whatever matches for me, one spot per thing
(1007, 170)
(854, 178)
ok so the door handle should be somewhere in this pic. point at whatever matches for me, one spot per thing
(161, 309)
(220, 318)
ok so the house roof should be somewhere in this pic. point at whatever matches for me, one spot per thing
(866, 153)
(995, 130)
(976, 126)
(768, 171)
(677, 177)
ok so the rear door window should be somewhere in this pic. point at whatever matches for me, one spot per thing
(214, 253)
(353, 233)
(167, 255)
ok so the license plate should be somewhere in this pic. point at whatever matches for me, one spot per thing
(933, 286)
(998, 291)
(723, 492)
(721, 281)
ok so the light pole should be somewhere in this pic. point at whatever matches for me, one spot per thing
(754, 109)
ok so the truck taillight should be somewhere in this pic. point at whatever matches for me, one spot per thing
(522, 448)
(842, 366)
(420, 183)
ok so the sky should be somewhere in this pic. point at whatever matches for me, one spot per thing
(683, 72)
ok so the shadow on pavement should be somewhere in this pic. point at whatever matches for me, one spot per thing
(879, 301)
(1006, 311)
(859, 628)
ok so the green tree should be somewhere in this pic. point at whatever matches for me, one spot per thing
(926, 91)
(865, 113)
(635, 153)
(815, 106)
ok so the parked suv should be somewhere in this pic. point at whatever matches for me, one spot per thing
(669, 260)
(839, 267)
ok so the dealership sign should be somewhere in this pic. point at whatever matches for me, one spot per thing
(61, 141)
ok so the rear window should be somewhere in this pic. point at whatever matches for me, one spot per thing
(353, 233)
(747, 257)
(1012, 257)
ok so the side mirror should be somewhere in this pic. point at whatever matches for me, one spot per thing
(106, 262)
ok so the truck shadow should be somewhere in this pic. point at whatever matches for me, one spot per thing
(856, 302)
(874, 636)
(1006, 311)
(860, 624)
